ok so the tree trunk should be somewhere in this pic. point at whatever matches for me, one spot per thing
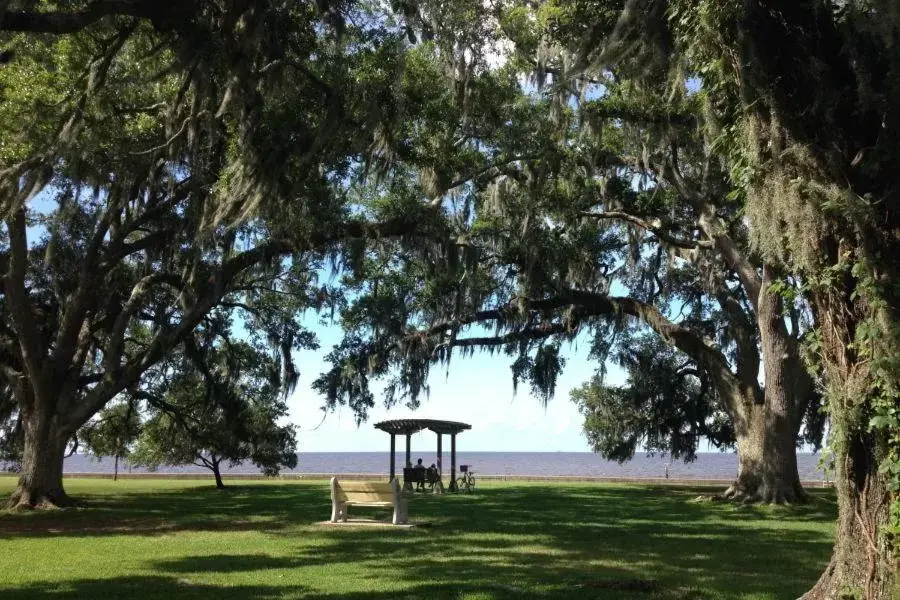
(861, 565)
(116, 468)
(767, 431)
(215, 469)
(40, 482)
(767, 458)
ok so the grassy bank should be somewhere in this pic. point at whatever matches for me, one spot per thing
(167, 539)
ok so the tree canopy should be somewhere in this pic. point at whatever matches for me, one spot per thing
(501, 176)
(800, 104)
(229, 410)
(175, 172)
(601, 210)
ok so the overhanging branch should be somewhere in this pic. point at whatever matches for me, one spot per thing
(714, 227)
(532, 333)
(655, 227)
(120, 377)
(583, 304)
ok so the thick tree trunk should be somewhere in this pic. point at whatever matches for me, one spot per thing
(767, 458)
(40, 481)
(767, 431)
(861, 565)
(116, 469)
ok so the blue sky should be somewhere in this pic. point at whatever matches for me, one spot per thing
(478, 391)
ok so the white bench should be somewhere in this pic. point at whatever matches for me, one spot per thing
(366, 493)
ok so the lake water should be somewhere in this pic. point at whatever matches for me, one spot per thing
(584, 464)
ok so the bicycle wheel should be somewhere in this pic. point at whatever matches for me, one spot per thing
(460, 484)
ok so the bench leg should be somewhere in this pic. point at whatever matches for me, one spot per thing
(338, 512)
(400, 515)
(335, 511)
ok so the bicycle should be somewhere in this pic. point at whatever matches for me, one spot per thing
(466, 481)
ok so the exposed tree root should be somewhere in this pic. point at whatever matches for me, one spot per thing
(23, 499)
(741, 494)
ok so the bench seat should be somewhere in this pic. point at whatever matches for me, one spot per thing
(366, 493)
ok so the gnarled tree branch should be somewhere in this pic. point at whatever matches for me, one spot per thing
(655, 227)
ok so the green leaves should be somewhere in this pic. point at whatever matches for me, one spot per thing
(222, 404)
(113, 431)
(666, 405)
(883, 421)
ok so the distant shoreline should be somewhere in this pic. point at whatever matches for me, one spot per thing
(199, 476)
(549, 466)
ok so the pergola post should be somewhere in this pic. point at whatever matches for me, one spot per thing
(440, 453)
(393, 449)
(453, 462)
(407, 485)
(440, 461)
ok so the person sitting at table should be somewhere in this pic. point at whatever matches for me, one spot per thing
(420, 485)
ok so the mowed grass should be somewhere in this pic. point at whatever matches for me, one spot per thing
(171, 539)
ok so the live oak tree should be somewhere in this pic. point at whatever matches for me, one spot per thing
(801, 103)
(696, 215)
(155, 124)
(174, 164)
(525, 281)
(587, 188)
(225, 408)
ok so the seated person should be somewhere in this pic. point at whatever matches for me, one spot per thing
(432, 475)
(420, 485)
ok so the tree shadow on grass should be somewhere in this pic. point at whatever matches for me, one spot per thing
(148, 588)
(158, 512)
(560, 538)
(662, 566)
(474, 577)
(229, 563)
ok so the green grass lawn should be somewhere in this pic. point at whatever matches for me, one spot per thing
(168, 540)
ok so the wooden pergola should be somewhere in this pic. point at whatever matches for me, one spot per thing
(408, 427)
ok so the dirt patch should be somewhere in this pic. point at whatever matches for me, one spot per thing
(368, 523)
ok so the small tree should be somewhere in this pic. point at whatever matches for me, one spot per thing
(667, 405)
(112, 433)
(226, 411)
